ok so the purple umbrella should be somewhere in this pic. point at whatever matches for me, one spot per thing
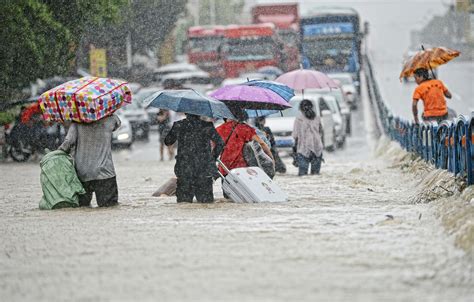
(250, 97)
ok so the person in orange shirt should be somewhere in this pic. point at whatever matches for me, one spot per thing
(432, 93)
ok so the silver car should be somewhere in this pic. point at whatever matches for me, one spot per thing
(123, 136)
(138, 118)
(282, 123)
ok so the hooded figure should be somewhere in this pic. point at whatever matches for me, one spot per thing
(196, 160)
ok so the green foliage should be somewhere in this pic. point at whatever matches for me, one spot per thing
(33, 45)
(40, 37)
(151, 21)
(6, 117)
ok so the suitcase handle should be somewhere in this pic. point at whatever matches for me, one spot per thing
(220, 163)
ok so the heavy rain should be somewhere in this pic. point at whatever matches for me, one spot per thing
(241, 150)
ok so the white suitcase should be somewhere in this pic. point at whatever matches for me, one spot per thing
(251, 184)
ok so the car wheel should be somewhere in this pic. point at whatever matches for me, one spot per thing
(20, 153)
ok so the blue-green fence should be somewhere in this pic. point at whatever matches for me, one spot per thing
(448, 145)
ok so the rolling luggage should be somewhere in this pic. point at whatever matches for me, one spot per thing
(249, 185)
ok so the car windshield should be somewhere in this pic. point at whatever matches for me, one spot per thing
(204, 44)
(337, 93)
(328, 54)
(333, 105)
(290, 112)
(343, 79)
(142, 95)
(289, 38)
(250, 49)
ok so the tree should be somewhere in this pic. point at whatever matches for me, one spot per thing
(33, 45)
(40, 37)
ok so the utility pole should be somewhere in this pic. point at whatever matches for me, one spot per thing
(195, 7)
(128, 46)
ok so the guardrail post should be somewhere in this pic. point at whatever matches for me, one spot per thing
(451, 153)
(460, 156)
(470, 151)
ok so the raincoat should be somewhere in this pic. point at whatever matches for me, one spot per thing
(59, 182)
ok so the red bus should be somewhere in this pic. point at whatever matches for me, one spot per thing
(286, 19)
(203, 48)
(249, 47)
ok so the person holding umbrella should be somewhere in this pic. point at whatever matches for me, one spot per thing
(236, 134)
(432, 93)
(196, 161)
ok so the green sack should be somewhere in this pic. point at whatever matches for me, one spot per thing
(59, 182)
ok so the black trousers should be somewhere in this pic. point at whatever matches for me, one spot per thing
(106, 192)
(188, 187)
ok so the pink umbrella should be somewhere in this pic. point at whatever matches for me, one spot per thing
(306, 79)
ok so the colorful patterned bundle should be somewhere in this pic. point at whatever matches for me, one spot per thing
(84, 100)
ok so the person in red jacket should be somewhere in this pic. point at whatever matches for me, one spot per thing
(235, 135)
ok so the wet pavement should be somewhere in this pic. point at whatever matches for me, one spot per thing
(350, 234)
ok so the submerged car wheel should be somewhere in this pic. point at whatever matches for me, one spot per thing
(20, 153)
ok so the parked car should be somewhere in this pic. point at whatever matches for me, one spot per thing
(348, 88)
(343, 104)
(123, 136)
(282, 123)
(233, 81)
(173, 68)
(197, 80)
(139, 120)
(140, 97)
(339, 120)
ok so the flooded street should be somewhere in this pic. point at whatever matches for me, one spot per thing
(349, 234)
(378, 224)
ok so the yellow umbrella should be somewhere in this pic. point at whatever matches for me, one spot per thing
(428, 58)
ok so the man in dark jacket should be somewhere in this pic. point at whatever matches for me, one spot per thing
(195, 163)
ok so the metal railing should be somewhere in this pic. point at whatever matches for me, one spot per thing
(448, 145)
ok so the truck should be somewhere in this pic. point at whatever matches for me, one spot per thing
(285, 17)
(331, 41)
(246, 48)
(203, 44)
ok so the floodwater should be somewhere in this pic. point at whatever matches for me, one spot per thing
(351, 234)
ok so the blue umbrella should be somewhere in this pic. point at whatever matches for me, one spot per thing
(189, 101)
(281, 89)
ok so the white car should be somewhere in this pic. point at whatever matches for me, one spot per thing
(123, 136)
(138, 118)
(174, 68)
(282, 123)
(344, 105)
(197, 80)
(140, 97)
(348, 87)
(339, 120)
